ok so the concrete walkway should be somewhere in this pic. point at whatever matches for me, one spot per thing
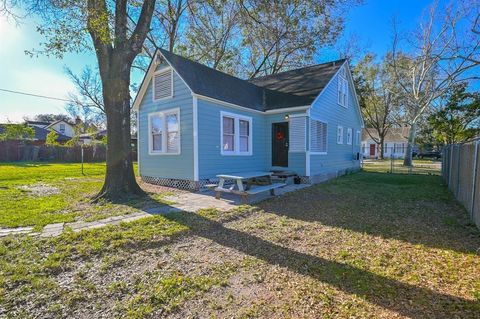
(190, 202)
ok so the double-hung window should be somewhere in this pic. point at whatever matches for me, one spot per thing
(62, 128)
(236, 134)
(318, 140)
(163, 84)
(339, 134)
(164, 132)
(349, 136)
(357, 138)
(342, 88)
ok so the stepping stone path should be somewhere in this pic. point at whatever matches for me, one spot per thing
(188, 202)
(19, 230)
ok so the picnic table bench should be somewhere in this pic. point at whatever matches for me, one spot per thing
(251, 186)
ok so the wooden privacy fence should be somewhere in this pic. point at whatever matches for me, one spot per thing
(461, 171)
(14, 151)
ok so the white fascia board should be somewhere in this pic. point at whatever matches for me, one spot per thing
(288, 109)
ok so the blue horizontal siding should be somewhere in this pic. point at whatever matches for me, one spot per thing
(168, 166)
(211, 161)
(327, 109)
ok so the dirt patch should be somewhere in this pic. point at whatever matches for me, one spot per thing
(39, 189)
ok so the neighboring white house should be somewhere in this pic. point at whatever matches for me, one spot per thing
(60, 126)
(395, 143)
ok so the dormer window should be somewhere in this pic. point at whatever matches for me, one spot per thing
(163, 84)
(342, 88)
(62, 128)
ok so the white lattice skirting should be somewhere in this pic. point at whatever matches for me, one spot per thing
(170, 182)
(197, 185)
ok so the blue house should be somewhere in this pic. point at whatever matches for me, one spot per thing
(195, 122)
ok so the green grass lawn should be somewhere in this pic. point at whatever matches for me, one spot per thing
(366, 245)
(420, 166)
(37, 194)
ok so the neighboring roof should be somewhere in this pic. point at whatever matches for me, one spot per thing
(43, 123)
(40, 133)
(393, 134)
(58, 121)
(307, 82)
(212, 83)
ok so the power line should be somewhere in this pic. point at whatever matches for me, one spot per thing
(36, 95)
(44, 97)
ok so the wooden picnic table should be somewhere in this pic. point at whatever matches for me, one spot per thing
(250, 179)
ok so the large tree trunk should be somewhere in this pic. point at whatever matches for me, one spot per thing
(382, 147)
(120, 182)
(407, 161)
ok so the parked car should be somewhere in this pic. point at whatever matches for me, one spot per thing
(429, 154)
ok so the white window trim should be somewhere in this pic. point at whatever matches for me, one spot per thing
(310, 139)
(351, 136)
(163, 70)
(164, 132)
(358, 138)
(340, 127)
(236, 136)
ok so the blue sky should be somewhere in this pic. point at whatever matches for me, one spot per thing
(370, 23)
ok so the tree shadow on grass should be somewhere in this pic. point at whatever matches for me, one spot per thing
(414, 209)
(405, 299)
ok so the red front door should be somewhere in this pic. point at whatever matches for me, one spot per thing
(372, 149)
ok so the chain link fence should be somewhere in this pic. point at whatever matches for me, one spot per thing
(430, 164)
(461, 171)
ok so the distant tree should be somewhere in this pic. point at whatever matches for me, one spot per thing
(442, 51)
(213, 28)
(87, 104)
(52, 138)
(168, 28)
(17, 132)
(379, 105)
(459, 119)
(280, 35)
(167, 17)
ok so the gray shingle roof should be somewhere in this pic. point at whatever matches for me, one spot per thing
(43, 123)
(40, 133)
(306, 82)
(266, 93)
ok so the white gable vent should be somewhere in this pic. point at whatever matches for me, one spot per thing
(297, 136)
(162, 85)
